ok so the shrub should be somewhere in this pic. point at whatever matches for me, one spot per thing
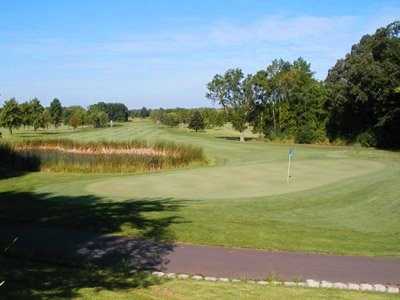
(366, 139)
(196, 121)
(305, 135)
(98, 119)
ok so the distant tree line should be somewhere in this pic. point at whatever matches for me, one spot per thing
(33, 113)
(358, 102)
(203, 117)
(140, 113)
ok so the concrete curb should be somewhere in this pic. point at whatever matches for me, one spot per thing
(309, 283)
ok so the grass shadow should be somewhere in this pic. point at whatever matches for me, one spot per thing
(71, 238)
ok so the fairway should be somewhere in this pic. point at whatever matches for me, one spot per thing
(341, 200)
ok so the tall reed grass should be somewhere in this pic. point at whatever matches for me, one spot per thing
(63, 155)
(12, 161)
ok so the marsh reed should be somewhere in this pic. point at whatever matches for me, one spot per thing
(64, 155)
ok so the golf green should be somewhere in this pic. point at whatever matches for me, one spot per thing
(252, 180)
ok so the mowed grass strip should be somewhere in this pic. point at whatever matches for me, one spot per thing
(343, 200)
(190, 290)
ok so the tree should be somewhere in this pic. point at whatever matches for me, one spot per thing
(56, 112)
(10, 116)
(115, 111)
(98, 118)
(157, 114)
(170, 119)
(285, 98)
(77, 117)
(229, 91)
(36, 110)
(144, 113)
(46, 119)
(102, 119)
(26, 114)
(70, 110)
(196, 121)
(362, 97)
(74, 120)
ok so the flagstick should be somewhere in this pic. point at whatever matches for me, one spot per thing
(288, 169)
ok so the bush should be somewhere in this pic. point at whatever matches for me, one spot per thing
(366, 139)
(196, 121)
(305, 135)
(170, 119)
(98, 119)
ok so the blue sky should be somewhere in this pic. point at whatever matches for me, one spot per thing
(162, 53)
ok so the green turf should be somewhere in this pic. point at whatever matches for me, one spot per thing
(240, 181)
(342, 200)
(189, 290)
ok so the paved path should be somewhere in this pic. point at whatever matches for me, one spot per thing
(79, 247)
(256, 264)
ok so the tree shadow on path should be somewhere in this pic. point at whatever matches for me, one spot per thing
(75, 232)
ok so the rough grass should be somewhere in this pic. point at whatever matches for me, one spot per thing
(65, 155)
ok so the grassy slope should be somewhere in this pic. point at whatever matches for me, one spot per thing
(337, 213)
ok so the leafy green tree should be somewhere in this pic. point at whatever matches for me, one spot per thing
(285, 97)
(70, 110)
(75, 120)
(56, 112)
(115, 111)
(144, 112)
(11, 116)
(229, 91)
(157, 114)
(98, 118)
(36, 110)
(26, 114)
(77, 116)
(46, 119)
(103, 119)
(197, 121)
(362, 98)
(170, 119)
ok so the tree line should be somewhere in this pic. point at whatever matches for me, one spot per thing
(33, 113)
(194, 118)
(359, 101)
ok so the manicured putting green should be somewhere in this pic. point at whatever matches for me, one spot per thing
(243, 181)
